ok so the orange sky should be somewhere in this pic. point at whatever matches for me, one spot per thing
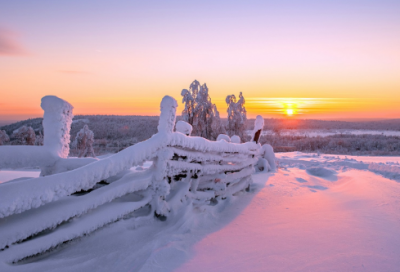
(327, 60)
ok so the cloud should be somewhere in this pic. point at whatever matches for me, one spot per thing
(73, 72)
(9, 45)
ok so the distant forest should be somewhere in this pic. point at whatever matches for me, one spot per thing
(113, 133)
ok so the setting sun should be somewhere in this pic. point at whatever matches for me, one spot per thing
(289, 112)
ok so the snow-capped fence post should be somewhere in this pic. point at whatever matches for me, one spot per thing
(168, 114)
(57, 120)
(258, 127)
(160, 183)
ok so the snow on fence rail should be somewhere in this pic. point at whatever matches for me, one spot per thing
(183, 167)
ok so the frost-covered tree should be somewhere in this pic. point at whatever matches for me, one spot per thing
(236, 116)
(3, 137)
(200, 112)
(189, 99)
(84, 142)
(24, 136)
(216, 125)
(39, 139)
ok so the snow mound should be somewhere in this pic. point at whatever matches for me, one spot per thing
(322, 172)
(235, 139)
(184, 127)
(224, 137)
(389, 171)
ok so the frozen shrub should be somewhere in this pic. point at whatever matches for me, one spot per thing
(84, 142)
(236, 115)
(216, 125)
(39, 139)
(269, 155)
(266, 163)
(3, 137)
(24, 136)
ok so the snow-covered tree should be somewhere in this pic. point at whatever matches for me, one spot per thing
(189, 99)
(200, 112)
(39, 139)
(216, 125)
(24, 136)
(3, 137)
(84, 142)
(236, 116)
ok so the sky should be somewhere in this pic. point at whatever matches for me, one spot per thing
(294, 59)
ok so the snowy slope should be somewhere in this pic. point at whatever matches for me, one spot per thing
(316, 213)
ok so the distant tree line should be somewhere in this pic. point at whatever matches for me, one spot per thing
(281, 123)
(348, 144)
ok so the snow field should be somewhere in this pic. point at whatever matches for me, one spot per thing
(316, 213)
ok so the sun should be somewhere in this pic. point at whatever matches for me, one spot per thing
(289, 112)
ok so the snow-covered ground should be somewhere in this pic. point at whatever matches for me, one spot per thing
(12, 175)
(316, 213)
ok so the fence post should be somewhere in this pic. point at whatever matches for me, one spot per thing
(57, 120)
(168, 114)
(258, 127)
(160, 183)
